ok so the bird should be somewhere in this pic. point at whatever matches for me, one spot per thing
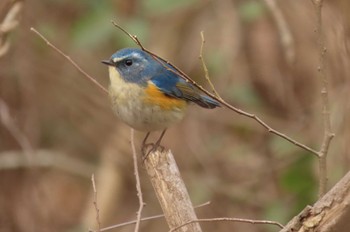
(148, 93)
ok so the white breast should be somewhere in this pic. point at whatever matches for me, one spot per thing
(128, 104)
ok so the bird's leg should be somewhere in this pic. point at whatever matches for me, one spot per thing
(144, 145)
(145, 139)
(155, 146)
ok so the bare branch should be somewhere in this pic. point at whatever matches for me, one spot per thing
(330, 213)
(144, 219)
(265, 222)
(138, 183)
(327, 134)
(9, 23)
(206, 71)
(90, 78)
(133, 37)
(22, 140)
(95, 203)
(170, 190)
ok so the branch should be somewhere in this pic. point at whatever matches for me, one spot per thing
(133, 37)
(9, 23)
(17, 134)
(327, 134)
(90, 78)
(95, 203)
(265, 222)
(330, 213)
(170, 190)
(138, 184)
(143, 219)
(206, 71)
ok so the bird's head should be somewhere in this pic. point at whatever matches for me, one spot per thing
(132, 65)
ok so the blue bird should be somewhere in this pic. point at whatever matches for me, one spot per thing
(148, 94)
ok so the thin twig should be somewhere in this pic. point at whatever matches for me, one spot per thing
(327, 134)
(95, 203)
(206, 71)
(266, 222)
(17, 134)
(138, 183)
(9, 23)
(130, 223)
(133, 37)
(143, 219)
(90, 78)
(222, 101)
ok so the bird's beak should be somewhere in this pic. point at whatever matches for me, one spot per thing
(108, 62)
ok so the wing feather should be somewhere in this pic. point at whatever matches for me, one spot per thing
(172, 85)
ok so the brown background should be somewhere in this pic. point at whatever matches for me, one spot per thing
(224, 158)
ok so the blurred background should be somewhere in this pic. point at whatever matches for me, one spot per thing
(57, 128)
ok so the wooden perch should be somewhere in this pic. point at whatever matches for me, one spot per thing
(171, 191)
(330, 213)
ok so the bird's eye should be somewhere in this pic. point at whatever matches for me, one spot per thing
(128, 62)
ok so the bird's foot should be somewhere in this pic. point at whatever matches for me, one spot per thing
(150, 147)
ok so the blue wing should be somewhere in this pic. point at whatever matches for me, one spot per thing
(174, 86)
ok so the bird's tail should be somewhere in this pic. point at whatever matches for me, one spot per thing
(207, 102)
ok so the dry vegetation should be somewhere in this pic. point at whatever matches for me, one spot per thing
(223, 157)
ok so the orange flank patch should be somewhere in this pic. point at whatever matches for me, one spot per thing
(156, 97)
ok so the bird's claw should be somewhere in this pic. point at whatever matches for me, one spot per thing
(150, 147)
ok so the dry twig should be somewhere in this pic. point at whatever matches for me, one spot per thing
(329, 213)
(206, 71)
(143, 219)
(170, 189)
(95, 203)
(90, 78)
(9, 23)
(138, 183)
(22, 140)
(229, 220)
(327, 134)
